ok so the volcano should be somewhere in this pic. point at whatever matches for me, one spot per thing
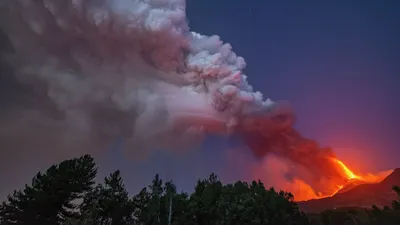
(357, 194)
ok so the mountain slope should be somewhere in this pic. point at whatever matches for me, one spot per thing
(363, 195)
(350, 185)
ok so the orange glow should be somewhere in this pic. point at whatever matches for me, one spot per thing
(339, 187)
(303, 191)
(368, 178)
(307, 188)
(347, 172)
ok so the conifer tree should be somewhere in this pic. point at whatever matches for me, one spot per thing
(49, 200)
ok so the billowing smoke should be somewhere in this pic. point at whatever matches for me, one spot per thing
(308, 161)
(93, 71)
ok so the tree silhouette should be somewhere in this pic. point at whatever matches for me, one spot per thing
(204, 200)
(141, 204)
(387, 215)
(108, 203)
(396, 203)
(49, 200)
(53, 196)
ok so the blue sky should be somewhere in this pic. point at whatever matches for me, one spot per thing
(337, 63)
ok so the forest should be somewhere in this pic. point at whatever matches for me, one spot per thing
(67, 194)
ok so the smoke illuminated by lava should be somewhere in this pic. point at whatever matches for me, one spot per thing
(102, 70)
(356, 178)
(304, 189)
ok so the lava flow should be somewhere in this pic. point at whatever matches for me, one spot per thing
(304, 192)
(366, 178)
(310, 171)
(347, 172)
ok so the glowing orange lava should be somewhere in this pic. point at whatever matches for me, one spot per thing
(339, 188)
(302, 191)
(347, 172)
(305, 187)
(368, 178)
(352, 177)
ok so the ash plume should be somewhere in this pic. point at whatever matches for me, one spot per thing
(308, 161)
(91, 71)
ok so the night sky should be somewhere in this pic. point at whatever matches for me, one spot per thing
(337, 63)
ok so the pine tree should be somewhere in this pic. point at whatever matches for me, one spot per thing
(108, 203)
(49, 199)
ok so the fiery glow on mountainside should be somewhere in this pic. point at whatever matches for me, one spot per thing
(349, 174)
(307, 169)
(304, 185)
(305, 192)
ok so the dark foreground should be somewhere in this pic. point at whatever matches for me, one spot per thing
(67, 194)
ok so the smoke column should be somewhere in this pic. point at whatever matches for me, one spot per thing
(97, 70)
